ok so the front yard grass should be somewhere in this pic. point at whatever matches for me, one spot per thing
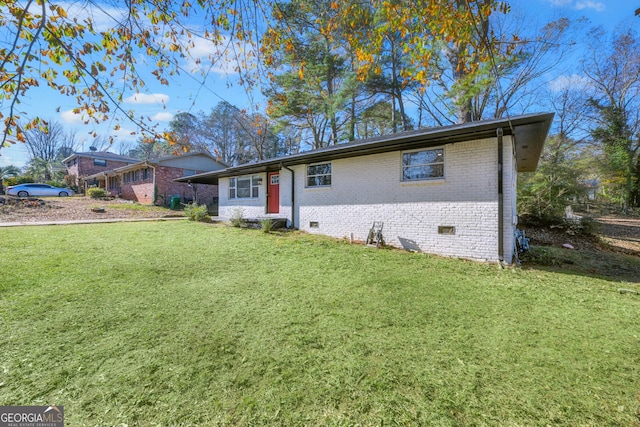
(137, 207)
(194, 324)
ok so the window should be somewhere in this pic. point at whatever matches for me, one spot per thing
(244, 187)
(446, 229)
(99, 162)
(131, 176)
(319, 175)
(423, 165)
(146, 174)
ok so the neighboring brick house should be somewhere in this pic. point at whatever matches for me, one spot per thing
(81, 165)
(152, 181)
(449, 191)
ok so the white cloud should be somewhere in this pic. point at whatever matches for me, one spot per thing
(579, 5)
(597, 6)
(221, 58)
(144, 98)
(102, 16)
(14, 154)
(125, 134)
(560, 2)
(162, 116)
(72, 118)
(567, 82)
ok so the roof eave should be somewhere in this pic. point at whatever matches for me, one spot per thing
(529, 142)
(529, 132)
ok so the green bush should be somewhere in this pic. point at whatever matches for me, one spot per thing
(15, 180)
(196, 212)
(588, 226)
(266, 225)
(96, 193)
(237, 219)
(60, 184)
(540, 255)
(585, 226)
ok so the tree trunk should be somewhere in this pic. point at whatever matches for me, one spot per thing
(396, 89)
(634, 197)
(461, 101)
(352, 121)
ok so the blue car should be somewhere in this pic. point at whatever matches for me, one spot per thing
(38, 190)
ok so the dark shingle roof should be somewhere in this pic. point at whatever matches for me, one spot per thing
(106, 155)
(529, 132)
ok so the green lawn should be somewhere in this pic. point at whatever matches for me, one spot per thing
(183, 323)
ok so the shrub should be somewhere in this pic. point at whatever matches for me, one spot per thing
(15, 180)
(96, 193)
(237, 217)
(588, 225)
(196, 212)
(266, 225)
(585, 226)
(541, 256)
(60, 184)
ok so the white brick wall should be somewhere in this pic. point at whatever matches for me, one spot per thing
(370, 188)
(255, 208)
(250, 208)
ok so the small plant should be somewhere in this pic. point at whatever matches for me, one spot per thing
(196, 212)
(588, 225)
(96, 193)
(585, 226)
(236, 218)
(541, 256)
(266, 224)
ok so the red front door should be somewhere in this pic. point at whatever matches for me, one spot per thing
(273, 192)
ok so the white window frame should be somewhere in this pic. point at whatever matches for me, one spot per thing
(404, 167)
(254, 185)
(313, 185)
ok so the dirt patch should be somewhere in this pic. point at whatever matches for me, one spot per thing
(620, 233)
(76, 208)
(612, 233)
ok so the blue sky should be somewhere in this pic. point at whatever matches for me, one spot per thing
(187, 93)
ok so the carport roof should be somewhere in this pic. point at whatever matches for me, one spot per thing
(529, 131)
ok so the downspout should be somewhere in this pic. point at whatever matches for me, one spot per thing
(293, 194)
(155, 189)
(499, 134)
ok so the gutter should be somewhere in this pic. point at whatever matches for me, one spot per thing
(293, 193)
(499, 134)
(155, 190)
